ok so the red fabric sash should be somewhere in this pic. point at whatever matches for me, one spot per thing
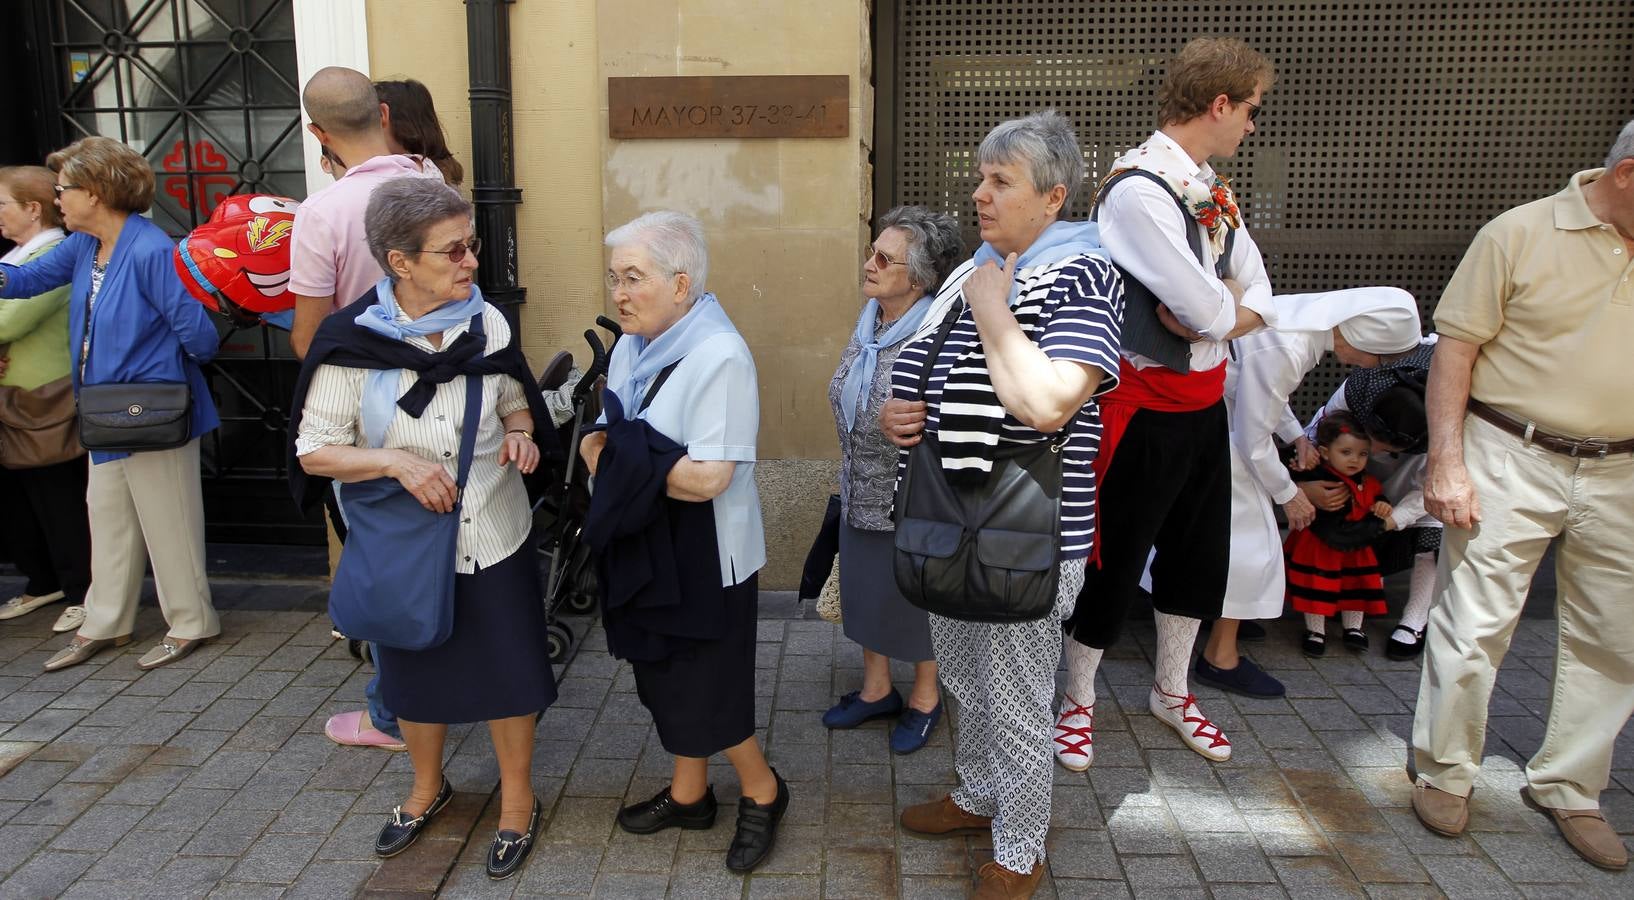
(1156, 388)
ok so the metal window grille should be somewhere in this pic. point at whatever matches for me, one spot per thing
(1395, 129)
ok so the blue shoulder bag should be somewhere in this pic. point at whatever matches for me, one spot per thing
(395, 582)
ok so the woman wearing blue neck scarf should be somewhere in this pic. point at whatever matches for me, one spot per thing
(1033, 338)
(361, 420)
(675, 518)
(914, 252)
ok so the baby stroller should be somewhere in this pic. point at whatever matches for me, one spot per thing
(568, 569)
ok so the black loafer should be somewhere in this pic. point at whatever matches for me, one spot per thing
(757, 829)
(510, 849)
(663, 812)
(1400, 650)
(1314, 644)
(401, 832)
(1245, 678)
(1356, 639)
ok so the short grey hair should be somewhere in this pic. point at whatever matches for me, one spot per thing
(1046, 144)
(934, 245)
(401, 211)
(674, 240)
(1623, 147)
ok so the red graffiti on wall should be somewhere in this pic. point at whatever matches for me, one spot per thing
(200, 192)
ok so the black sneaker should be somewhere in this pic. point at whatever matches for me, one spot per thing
(510, 849)
(1356, 639)
(400, 833)
(663, 812)
(757, 829)
(1315, 644)
(1404, 644)
(1244, 678)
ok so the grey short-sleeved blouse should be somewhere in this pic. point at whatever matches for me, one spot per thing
(867, 459)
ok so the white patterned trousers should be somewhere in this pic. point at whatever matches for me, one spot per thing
(1004, 679)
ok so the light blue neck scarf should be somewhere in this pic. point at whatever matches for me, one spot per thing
(1055, 243)
(380, 386)
(858, 381)
(637, 360)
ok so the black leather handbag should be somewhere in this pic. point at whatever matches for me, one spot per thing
(133, 417)
(985, 552)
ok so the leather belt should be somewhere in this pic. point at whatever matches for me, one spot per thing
(1529, 432)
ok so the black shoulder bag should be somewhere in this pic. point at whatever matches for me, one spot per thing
(131, 418)
(986, 552)
(1143, 332)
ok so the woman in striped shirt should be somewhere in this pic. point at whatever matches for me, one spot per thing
(1039, 309)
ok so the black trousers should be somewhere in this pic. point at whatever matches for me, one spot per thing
(46, 528)
(1168, 489)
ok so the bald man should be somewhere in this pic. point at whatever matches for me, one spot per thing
(330, 264)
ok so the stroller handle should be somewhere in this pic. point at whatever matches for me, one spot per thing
(598, 366)
(611, 326)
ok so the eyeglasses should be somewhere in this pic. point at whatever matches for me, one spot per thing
(456, 254)
(880, 260)
(64, 188)
(1253, 109)
(630, 282)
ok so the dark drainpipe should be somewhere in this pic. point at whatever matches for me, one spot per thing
(493, 155)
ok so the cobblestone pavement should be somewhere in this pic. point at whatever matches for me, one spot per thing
(212, 777)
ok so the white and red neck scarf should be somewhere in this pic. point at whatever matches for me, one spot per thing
(1206, 194)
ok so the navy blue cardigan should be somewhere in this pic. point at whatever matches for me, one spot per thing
(145, 327)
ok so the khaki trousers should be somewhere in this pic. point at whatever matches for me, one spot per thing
(148, 505)
(1528, 496)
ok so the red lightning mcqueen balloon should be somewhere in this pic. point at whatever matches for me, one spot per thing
(241, 254)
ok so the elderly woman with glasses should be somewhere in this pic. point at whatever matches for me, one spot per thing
(382, 397)
(130, 320)
(914, 251)
(1031, 337)
(675, 518)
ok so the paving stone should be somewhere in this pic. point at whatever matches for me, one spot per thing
(18, 843)
(1229, 857)
(228, 769)
(110, 765)
(613, 740)
(154, 728)
(860, 874)
(1204, 812)
(88, 694)
(1316, 876)
(600, 777)
(62, 804)
(31, 778)
(45, 874)
(1165, 874)
(1081, 853)
(1286, 833)
(702, 876)
(1376, 858)
(560, 869)
(1144, 829)
(1083, 889)
(630, 885)
(1527, 858)
(185, 808)
(1468, 876)
(786, 887)
(276, 858)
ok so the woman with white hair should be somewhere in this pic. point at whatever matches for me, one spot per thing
(675, 518)
(1031, 336)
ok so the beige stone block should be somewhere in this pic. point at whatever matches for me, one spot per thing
(747, 44)
(637, 38)
(554, 56)
(793, 495)
(727, 183)
(810, 171)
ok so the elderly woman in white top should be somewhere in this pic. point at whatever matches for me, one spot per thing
(675, 519)
(383, 395)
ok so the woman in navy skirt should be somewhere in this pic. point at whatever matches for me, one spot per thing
(367, 367)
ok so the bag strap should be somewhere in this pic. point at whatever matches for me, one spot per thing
(473, 412)
(1192, 236)
(657, 382)
(936, 347)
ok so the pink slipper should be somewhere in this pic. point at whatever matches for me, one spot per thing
(347, 729)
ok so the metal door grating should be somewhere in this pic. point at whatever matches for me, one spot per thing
(1395, 130)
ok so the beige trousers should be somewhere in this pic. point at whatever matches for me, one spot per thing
(1528, 496)
(148, 505)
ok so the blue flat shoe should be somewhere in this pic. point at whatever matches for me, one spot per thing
(852, 710)
(1245, 678)
(913, 730)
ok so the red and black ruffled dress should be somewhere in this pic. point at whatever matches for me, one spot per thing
(1331, 564)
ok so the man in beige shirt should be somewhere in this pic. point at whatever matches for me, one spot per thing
(1532, 439)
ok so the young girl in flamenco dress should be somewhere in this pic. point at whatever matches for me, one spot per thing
(1331, 565)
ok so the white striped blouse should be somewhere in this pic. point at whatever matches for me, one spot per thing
(495, 517)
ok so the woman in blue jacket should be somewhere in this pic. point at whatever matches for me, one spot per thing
(130, 321)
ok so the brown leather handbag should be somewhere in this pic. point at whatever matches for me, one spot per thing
(39, 427)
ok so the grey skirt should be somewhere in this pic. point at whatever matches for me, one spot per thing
(873, 612)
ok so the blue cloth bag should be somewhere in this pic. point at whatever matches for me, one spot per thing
(395, 582)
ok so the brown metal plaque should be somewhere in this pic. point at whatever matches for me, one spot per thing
(729, 106)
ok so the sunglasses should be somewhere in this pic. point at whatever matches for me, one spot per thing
(61, 189)
(880, 259)
(1253, 109)
(456, 254)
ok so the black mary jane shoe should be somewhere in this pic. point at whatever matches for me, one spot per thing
(1404, 650)
(400, 833)
(1314, 645)
(757, 829)
(663, 812)
(510, 849)
(1356, 639)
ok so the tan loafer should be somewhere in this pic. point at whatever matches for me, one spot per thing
(995, 882)
(81, 649)
(168, 651)
(1591, 836)
(943, 817)
(1441, 812)
(72, 617)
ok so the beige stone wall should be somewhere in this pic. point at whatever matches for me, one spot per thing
(786, 219)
